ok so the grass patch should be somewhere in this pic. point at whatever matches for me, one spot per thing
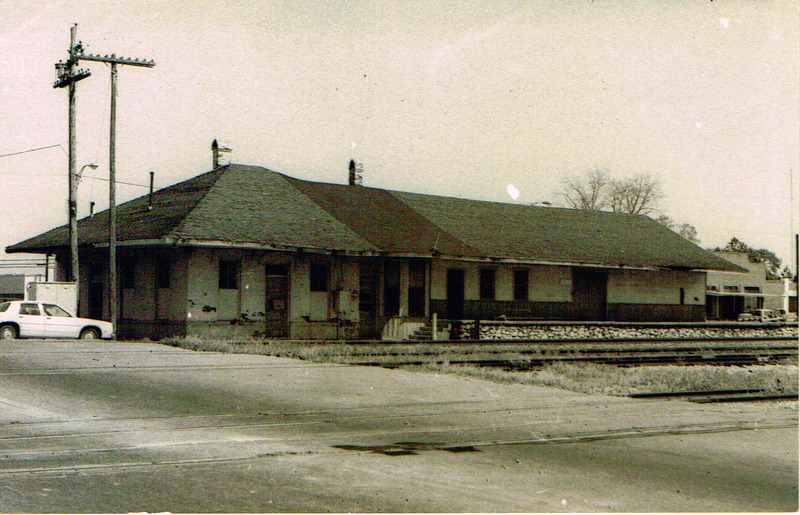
(593, 378)
(588, 378)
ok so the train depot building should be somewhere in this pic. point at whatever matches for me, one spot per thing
(246, 251)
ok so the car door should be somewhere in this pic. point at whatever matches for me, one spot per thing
(32, 323)
(59, 323)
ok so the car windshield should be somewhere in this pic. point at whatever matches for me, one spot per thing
(54, 311)
(4, 306)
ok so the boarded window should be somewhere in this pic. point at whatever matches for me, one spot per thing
(487, 283)
(521, 284)
(320, 274)
(228, 275)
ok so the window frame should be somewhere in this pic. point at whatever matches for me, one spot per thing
(319, 277)
(487, 283)
(519, 294)
(228, 274)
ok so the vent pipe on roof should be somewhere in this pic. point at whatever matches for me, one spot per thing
(150, 198)
(356, 173)
(221, 153)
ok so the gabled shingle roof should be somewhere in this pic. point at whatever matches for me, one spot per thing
(248, 205)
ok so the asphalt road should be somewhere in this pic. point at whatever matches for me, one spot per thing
(133, 427)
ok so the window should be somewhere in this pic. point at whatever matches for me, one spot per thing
(319, 277)
(163, 269)
(731, 288)
(752, 289)
(54, 311)
(228, 275)
(712, 287)
(487, 283)
(4, 306)
(29, 309)
(521, 284)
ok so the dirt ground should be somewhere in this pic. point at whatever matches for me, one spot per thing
(129, 427)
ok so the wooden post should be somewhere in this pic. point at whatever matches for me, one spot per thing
(67, 75)
(73, 183)
(112, 203)
(112, 181)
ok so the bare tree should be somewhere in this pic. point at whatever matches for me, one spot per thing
(688, 231)
(597, 190)
(637, 195)
(666, 221)
(587, 191)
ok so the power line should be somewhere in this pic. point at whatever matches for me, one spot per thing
(120, 182)
(30, 150)
(85, 177)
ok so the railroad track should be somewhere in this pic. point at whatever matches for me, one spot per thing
(714, 396)
(531, 355)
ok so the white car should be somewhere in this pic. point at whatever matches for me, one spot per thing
(30, 319)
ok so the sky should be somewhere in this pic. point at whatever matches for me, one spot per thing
(481, 99)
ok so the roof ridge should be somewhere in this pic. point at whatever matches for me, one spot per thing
(441, 230)
(291, 181)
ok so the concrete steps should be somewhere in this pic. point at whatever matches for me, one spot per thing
(425, 333)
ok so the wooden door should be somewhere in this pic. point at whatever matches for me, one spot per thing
(455, 293)
(589, 293)
(276, 293)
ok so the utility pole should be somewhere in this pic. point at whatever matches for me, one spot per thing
(67, 75)
(112, 181)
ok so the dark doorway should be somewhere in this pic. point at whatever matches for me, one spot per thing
(368, 299)
(97, 291)
(416, 288)
(455, 293)
(589, 294)
(730, 307)
(276, 313)
(391, 288)
(96, 297)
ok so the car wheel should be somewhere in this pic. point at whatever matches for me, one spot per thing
(8, 332)
(89, 334)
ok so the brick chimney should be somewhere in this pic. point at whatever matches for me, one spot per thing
(221, 154)
(356, 173)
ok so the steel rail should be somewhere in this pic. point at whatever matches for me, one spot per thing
(627, 354)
